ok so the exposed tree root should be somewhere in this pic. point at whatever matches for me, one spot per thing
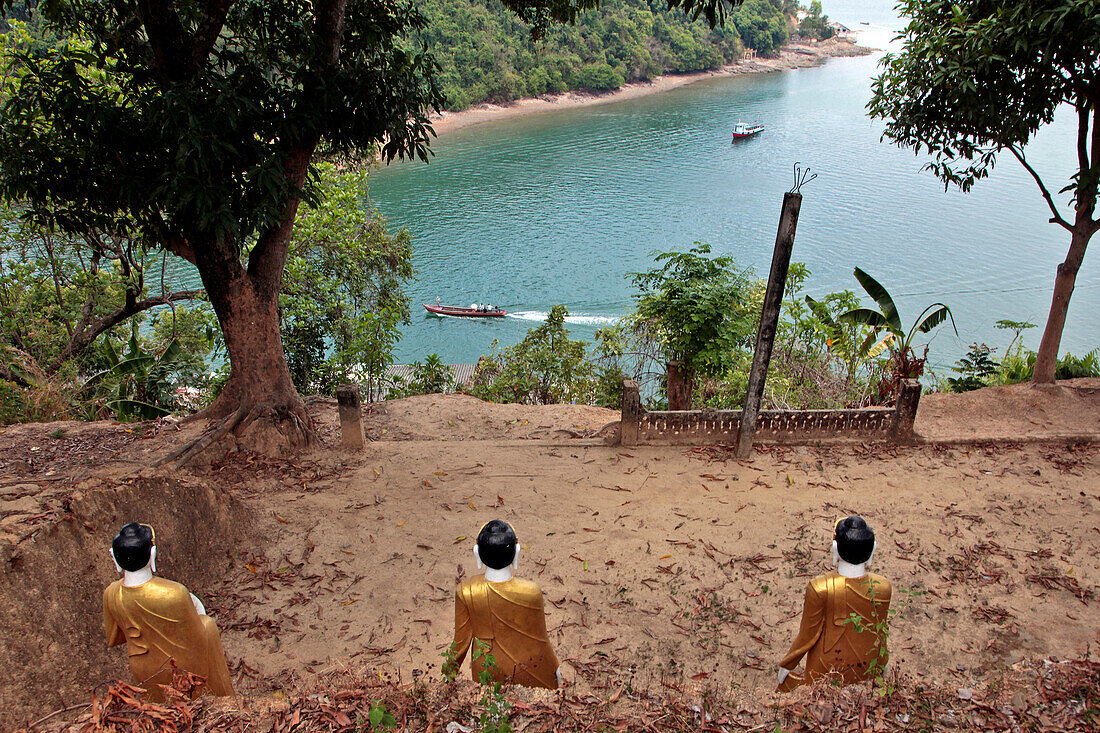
(266, 428)
(192, 448)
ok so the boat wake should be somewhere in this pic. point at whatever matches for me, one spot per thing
(578, 320)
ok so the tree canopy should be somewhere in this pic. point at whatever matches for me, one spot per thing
(978, 78)
(194, 126)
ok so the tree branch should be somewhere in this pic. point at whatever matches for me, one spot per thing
(1057, 218)
(89, 330)
(208, 30)
(172, 241)
(167, 39)
(329, 28)
(1083, 141)
(267, 258)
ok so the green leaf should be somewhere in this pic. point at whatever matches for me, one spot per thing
(864, 317)
(122, 368)
(882, 297)
(932, 316)
(136, 408)
(171, 352)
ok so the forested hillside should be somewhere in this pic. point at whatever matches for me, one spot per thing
(487, 55)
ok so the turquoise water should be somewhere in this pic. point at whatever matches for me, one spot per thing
(559, 207)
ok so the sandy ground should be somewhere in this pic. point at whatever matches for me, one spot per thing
(659, 565)
(672, 565)
(1071, 411)
(794, 56)
(664, 565)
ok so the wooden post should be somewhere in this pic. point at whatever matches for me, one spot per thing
(632, 413)
(905, 412)
(769, 321)
(351, 416)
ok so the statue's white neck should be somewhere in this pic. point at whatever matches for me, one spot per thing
(848, 570)
(137, 577)
(494, 575)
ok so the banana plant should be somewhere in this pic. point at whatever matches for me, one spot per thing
(136, 371)
(887, 319)
(852, 345)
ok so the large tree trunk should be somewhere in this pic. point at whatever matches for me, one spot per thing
(260, 393)
(1047, 359)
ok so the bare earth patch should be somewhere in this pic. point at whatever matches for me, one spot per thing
(663, 568)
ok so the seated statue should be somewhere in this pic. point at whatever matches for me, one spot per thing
(160, 621)
(505, 614)
(835, 643)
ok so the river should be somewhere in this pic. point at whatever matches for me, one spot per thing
(558, 207)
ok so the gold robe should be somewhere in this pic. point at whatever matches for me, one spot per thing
(508, 616)
(158, 621)
(828, 638)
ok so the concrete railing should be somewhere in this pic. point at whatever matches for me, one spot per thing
(640, 426)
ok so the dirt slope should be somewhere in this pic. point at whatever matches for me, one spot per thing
(658, 565)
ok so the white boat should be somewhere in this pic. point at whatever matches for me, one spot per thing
(747, 129)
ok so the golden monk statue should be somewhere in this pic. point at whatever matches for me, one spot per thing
(160, 621)
(843, 630)
(505, 614)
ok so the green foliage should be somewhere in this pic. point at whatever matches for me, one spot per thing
(495, 708)
(1076, 367)
(695, 308)
(138, 384)
(342, 300)
(1017, 366)
(431, 377)
(976, 368)
(486, 54)
(762, 25)
(68, 304)
(13, 403)
(106, 134)
(975, 78)
(450, 662)
(814, 364)
(599, 77)
(380, 718)
(816, 25)
(546, 368)
(887, 321)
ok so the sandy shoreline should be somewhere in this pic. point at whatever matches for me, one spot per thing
(795, 56)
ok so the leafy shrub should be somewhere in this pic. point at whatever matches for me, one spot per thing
(600, 77)
(1075, 367)
(13, 403)
(816, 25)
(343, 296)
(761, 24)
(431, 377)
(976, 368)
(546, 368)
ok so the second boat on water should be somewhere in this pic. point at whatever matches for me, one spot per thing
(747, 129)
